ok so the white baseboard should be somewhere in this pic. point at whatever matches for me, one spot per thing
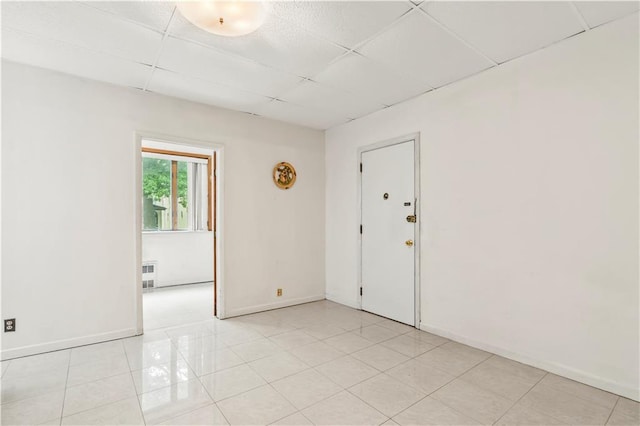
(552, 367)
(235, 312)
(350, 303)
(65, 344)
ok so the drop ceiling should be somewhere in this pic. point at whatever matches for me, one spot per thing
(313, 63)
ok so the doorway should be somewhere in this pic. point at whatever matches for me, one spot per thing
(389, 230)
(178, 242)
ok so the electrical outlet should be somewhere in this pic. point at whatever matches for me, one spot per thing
(279, 292)
(9, 325)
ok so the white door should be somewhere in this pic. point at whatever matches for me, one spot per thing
(388, 237)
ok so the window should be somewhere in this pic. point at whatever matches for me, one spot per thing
(176, 191)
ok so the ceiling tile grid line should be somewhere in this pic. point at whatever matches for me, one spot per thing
(162, 43)
(93, 6)
(578, 14)
(458, 37)
(79, 44)
(78, 47)
(354, 50)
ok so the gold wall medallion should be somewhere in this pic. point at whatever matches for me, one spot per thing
(284, 175)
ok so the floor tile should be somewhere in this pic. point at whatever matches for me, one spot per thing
(95, 394)
(396, 326)
(157, 353)
(90, 371)
(259, 406)
(22, 387)
(453, 358)
(420, 375)
(203, 344)
(386, 394)
(166, 403)
(497, 380)
(192, 331)
(38, 364)
(210, 362)
(389, 423)
(473, 401)
(208, 415)
(423, 336)
(374, 333)
(33, 410)
(160, 376)
(236, 337)
(125, 412)
(343, 409)
(380, 357)
(626, 412)
(296, 419)
(348, 342)
(278, 366)
(96, 352)
(564, 407)
(306, 388)
(520, 415)
(522, 371)
(580, 390)
(256, 349)
(347, 371)
(323, 331)
(316, 353)
(408, 346)
(432, 412)
(293, 339)
(231, 382)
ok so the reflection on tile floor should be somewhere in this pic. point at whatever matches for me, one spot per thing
(317, 363)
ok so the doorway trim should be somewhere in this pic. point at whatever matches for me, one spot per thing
(218, 217)
(416, 188)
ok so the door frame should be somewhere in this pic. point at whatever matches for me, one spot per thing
(416, 188)
(218, 215)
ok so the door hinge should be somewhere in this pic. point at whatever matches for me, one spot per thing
(360, 167)
(360, 229)
(360, 291)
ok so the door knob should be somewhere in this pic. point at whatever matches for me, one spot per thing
(409, 243)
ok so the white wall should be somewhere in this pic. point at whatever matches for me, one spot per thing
(69, 193)
(182, 257)
(529, 207)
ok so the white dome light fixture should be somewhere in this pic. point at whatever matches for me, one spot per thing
(229, 18)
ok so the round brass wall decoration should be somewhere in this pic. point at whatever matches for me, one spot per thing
(284, 175)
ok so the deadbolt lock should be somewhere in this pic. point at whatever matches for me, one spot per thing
(411, 219)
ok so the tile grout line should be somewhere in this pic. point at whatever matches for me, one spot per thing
(612, 410)
(64, 397)
(519, 399)
(126, 355)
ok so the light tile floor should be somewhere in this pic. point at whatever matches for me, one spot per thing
(317, 363)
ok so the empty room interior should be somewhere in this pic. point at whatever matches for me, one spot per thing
(320, 212)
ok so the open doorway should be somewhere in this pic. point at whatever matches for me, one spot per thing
(178, 247)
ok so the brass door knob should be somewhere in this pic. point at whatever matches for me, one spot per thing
(409, 243)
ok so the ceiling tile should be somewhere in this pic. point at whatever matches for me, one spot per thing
(418, 47)
(198, 90)
(153, 14)
(344, 22)
(203, 62)
(33, 50)
(324, 97)
(504, 30)
(599, 12)
(277, 43)
(304, 116)
(83, 26)
(358, 74)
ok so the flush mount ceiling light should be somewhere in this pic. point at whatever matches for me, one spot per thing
(226, 18)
